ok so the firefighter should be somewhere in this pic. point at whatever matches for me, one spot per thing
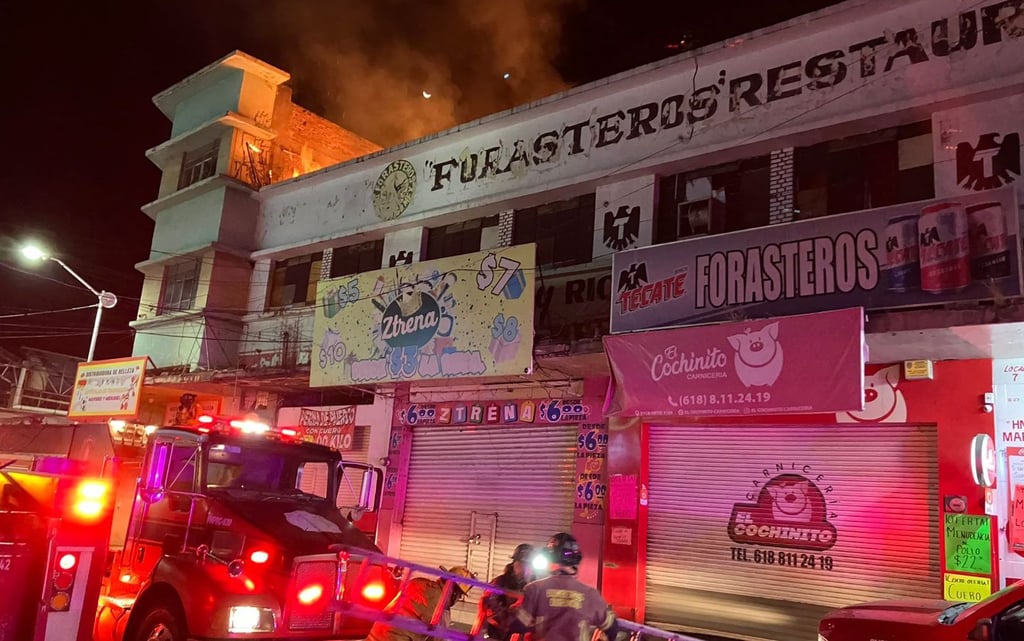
(495, 608)
(560, 607)
(419, 600)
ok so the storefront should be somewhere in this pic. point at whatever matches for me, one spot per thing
(757, 525)
(787, 469)
(770, 526)
(481, 477)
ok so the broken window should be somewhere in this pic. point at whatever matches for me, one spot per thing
(713, 200)
(878, 169)
(294, 280)
(563, 231)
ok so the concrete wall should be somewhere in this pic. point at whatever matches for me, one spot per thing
(189, 224)
(228, 285)
(206, 105)
(170, 343)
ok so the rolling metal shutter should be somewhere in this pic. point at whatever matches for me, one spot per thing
(879, 490)
(475, 492)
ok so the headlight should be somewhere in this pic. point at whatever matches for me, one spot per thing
(245, 618)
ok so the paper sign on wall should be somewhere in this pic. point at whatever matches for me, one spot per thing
(961, 587)
(1017, 520)
(968, 543)
(622, 504)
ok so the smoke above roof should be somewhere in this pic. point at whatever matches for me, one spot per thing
(397, 70)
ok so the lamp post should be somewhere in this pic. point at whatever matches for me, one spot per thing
(104, 299)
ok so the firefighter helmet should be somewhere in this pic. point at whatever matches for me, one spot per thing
(463, 571)
(564, 549)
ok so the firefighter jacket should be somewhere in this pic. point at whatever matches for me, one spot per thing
(418, 600)
(561, 608)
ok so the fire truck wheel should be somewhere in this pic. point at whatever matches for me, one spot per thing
(160, 624)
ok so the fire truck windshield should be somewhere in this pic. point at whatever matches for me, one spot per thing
(263, 468)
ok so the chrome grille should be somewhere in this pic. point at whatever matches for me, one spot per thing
(320, 615)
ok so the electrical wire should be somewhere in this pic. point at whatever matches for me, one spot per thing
(51, 311)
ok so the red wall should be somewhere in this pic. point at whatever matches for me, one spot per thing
(952, 401)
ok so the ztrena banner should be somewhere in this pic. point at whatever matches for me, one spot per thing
(954, 249)
(464, 316)
(795, 364)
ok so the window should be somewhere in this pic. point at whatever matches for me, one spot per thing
(882, 168)
(179, 287)
(563, 231)
(260, 467)
(294, 280)
(356, 259)
(458, 238)
(715, 200)
(181, 473)
(198, 164)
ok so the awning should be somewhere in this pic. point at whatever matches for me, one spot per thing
(809, 363)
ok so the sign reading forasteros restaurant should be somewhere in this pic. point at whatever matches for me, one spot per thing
(464, 316)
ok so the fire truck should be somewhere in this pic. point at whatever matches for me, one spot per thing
(227, 529)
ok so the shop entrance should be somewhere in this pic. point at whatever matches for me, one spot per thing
(758, 531)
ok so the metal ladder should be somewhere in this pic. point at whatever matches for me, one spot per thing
(368, 559)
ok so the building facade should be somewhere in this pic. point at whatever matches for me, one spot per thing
(388, 280)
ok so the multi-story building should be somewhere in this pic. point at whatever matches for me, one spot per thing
(377, 282)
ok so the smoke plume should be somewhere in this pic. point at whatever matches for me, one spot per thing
(366, 64)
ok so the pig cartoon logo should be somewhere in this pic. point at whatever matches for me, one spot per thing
(758, 357)
(883, 400)
(790, 501)
(789, 511)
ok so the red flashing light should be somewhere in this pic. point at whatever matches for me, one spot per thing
(374, 591)
(259, 557)
(311, 594)
(205, 418)
(67, 561)
(287, 431)
(90, 499)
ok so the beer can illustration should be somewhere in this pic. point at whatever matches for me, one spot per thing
(901, 254)
(990, 252)
(944, 248)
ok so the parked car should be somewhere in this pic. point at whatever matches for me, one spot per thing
(1000, 617)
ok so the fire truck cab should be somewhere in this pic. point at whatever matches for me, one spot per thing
(226, 529)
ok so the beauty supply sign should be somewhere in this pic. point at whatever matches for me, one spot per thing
(108, 389)
(464, 316)
(795, 364)
(952, 249)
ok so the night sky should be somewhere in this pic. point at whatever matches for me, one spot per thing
(77, 115)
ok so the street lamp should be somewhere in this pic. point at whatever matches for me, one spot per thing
(104, 299)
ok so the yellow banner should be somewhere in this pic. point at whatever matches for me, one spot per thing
(108, 388)
(464, 316)
(964, 587)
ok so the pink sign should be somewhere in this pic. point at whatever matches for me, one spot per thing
(791, 364)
